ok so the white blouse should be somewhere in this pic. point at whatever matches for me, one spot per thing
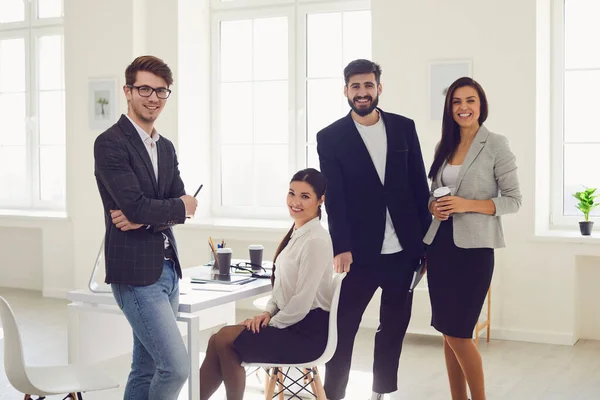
(303, 277)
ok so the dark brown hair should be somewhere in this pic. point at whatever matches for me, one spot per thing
(450, 129)
(317, 181)
(150, 64)
(361, 66)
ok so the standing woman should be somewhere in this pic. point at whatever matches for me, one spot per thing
(480, 170)
(295, 326)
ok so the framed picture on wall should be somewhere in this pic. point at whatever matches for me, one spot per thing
(102, 103)
(441, 76)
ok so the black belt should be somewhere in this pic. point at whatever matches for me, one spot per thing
(169, 253)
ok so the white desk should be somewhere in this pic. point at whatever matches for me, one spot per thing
(199, 310)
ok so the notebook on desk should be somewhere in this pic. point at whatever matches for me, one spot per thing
(222, 279)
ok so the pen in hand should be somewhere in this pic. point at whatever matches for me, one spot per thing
(198, 191)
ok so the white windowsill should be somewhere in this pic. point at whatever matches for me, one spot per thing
(239, 224)
(567, 236)
(10, 214)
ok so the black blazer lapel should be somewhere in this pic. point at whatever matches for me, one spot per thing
(164, 163)
(359, 149)
(396, 146)
(136, 142)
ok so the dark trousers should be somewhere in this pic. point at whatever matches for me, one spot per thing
(393, 274)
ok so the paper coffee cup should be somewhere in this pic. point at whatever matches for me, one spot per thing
(442, 192)
(224, 255)
(256, 255)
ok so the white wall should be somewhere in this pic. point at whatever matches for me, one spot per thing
(542, 289)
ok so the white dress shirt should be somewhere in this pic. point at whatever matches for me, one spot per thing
(303, 277)
(150, 143)
(375, 140)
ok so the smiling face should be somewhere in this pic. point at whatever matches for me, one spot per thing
(466, 106)
(302, 201)
(145, 110)
(363, 93)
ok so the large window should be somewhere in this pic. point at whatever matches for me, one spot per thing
(32, 105)
(576, 146)
(277, 80)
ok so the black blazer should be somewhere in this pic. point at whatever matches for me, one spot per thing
(356, 200)
(126, 182)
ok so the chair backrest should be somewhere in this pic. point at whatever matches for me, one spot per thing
(332, 338)
(14, 361)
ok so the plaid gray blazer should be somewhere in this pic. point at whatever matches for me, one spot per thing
(126, 182)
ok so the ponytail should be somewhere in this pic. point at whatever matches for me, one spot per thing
(280, 248)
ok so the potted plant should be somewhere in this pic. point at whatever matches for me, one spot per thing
(586, 204)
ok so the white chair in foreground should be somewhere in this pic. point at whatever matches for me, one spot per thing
(309, 372)
(44, 381)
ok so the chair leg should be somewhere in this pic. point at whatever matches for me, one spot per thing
(272, 381)
(320, 391)
(280, 379)
(310, 375)
(27, 397)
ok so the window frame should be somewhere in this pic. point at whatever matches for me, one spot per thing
(296, 12)
(557, 143)
(31, 29)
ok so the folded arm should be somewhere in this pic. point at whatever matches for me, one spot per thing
(113, 169)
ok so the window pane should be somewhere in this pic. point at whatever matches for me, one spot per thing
(581, 29)
(12, 119)
(271, 112)
(312, 157)
(579, 172)
(52, 118)
(52, 174)
(236, 113)
(13, 174)
(324, 45)
(325, 103)
(51, 62)
(50, 8)
(270, 51)
(357, 41)
(236, 183)
(12, 65)
(581, 105)
(271, 170)
(12, 11)
(236, 51)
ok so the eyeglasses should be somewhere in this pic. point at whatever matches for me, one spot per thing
(146, 91)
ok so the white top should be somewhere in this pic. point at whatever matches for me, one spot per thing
(303, 277)
(450, 176)
(375, 140)
(150, 143)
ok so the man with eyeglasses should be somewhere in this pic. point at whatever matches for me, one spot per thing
(143, 197)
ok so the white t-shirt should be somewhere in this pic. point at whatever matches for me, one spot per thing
(375, 139)
(303, 277)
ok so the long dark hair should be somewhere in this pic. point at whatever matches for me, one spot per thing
(450, 129)
(317, 180)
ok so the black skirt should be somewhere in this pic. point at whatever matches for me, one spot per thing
(302, 342)
(458, 283)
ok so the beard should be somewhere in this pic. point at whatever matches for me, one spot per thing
(363, 111)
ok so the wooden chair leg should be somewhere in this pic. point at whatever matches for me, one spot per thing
(27, 397)
(280, 379)
(320, 392)
(311, 376)
(270, 383)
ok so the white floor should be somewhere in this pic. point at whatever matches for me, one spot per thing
(514, 370)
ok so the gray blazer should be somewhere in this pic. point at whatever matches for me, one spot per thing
(488, 172)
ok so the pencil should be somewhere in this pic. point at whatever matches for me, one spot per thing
(212, 247)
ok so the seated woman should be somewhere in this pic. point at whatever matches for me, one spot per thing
(294, 328)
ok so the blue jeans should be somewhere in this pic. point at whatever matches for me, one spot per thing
(160, 363)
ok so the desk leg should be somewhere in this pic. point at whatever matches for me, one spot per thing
(193, 344)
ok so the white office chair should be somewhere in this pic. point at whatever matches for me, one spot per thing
(310, 374)
(45, 381)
